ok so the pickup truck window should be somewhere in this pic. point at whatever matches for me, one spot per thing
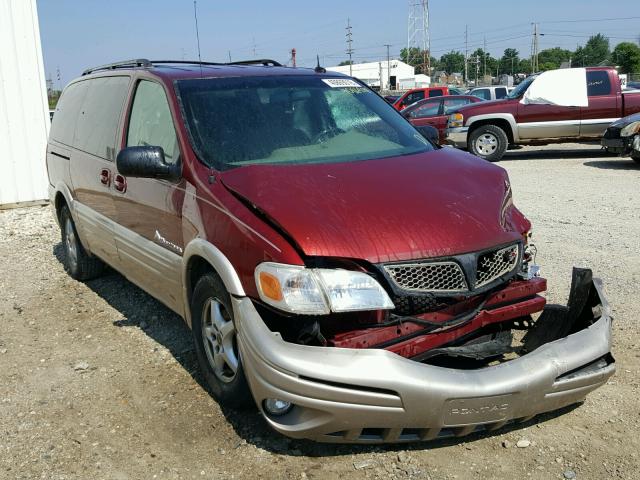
(240, 121)
(435, 93)
(501, 92)
(413, 97)
(598, 83)
(482, 93)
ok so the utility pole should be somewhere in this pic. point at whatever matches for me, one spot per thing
(466, 53)
(293, 57)
(254, 47)
(229, 52)
(388, 65)
(349, 49)
(484, 51)
(534, 49)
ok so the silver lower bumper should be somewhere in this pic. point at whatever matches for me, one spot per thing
(456, 136)
(371, 396)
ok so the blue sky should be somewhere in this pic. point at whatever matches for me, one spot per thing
(77, 34)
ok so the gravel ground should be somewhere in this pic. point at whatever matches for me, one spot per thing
(99, 380)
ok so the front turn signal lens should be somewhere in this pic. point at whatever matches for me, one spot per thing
(270, 286)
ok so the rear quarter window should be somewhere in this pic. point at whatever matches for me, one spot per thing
(598, 83)
(100, 116)
(67, 111)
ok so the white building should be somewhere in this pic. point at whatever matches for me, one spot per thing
(398, 75)
(24, 109)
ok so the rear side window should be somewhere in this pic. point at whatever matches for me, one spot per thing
(435, 93)
(429, 109)
(67, 112)
(598, 83)
(501, 92)
(100, 116)
(451, 104)
(151, 123)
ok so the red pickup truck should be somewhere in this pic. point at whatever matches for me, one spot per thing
(488, 128)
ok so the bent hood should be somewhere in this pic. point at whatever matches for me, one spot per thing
(432, 204)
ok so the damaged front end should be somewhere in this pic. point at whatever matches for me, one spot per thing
(477, 358)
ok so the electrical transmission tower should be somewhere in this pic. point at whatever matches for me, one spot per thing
(418, 41)
(349, 47)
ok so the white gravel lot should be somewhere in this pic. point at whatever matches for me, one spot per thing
(99, 380)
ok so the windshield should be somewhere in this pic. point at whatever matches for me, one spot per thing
(291, 119)
(521, 88)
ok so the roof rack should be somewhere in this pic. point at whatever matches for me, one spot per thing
(143, 62)
(262, 61)
(139, 62)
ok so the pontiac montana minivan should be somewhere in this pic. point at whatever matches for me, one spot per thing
(353, 280)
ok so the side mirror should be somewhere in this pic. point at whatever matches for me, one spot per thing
(146, 162)
(430, 133)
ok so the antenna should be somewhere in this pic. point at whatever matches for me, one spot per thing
(195, 16)
(318, 68)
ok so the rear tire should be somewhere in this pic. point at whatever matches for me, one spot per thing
(488, 142)
(77, 262)
(216, 344)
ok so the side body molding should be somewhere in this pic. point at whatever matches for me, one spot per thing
(497, 116)
(221, 264)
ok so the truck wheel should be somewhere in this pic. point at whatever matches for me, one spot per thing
(488, 142)
(77, 261)
(216, 343)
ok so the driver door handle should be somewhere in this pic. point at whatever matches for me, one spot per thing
(120, 183)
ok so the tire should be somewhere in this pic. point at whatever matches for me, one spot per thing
(216, 345)
(77, 262)
(488, 142)
(635, 157)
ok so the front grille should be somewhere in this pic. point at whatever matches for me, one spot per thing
(428, 277)
(492, 265)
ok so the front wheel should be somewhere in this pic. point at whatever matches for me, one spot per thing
(488, 142)
(216, 343)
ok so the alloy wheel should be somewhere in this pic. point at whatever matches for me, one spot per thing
(220, 345)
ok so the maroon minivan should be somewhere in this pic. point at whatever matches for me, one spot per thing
(355, 281)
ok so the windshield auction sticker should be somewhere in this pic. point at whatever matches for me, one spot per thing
(341, 83)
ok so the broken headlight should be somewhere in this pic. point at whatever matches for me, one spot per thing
(318, 291)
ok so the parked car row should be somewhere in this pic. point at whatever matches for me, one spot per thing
(329, 260)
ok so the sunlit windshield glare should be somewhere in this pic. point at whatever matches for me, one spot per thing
(296, 119)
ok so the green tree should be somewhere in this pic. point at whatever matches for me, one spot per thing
(626, 55)
(452, 62)
(509, 61)
(552, 58)
(594, 52)
(345, 62)
(414, 57)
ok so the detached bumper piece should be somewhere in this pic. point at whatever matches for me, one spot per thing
(375, 396)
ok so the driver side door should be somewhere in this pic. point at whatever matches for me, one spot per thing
(149, 234)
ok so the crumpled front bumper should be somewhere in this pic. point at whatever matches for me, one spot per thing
(373, 396)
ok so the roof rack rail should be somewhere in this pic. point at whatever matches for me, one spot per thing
(185, 62)
(143, 62)
(139, 62)
(261, 61)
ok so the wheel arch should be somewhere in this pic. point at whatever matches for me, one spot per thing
(199, 258)
(505, 121)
